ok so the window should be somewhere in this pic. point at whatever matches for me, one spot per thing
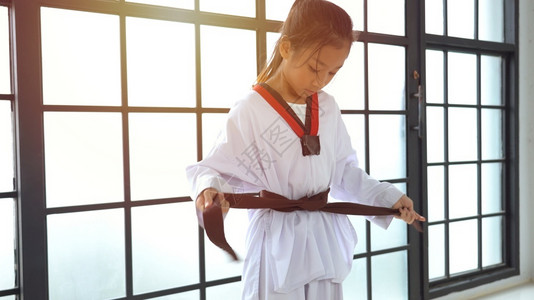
(471, 158)
(8, 194)
(113, 99)
(377, 119)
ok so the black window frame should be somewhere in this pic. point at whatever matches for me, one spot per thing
(14, 193)
(31, 207)
(508, 50)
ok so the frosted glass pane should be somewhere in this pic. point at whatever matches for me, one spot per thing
(492, 187)
(83, 158)
(191, 295)
(387, 77)
(434, 76)
(168, 78)
(218, 263)
(223, 80)
(212, 124)
(491, 20)
(492, 241)
(386, 16)
(277, 9)
(355, 125)
(7, 244)
(355, 285)
(86, 255)
(387, 134)
(491, 80)
(436, 193)
(185, 4)
(225, 291)
(5, 67)
(462, 78)
(434, 17)
(162, 145)
(463, 193)
(436, 251)
(394, 236)
(462, 134)
(463, 246)
(164, 247)
(7, 171)
(81, 57)
(272, 38)
(245, 8)
(350, 75)
(359, 224)
(390, 276)
(492, 134)
(401, 187)
(435, 134)
(461, 18)
(8, 298)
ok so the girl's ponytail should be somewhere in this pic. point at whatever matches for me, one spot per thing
(272, 66)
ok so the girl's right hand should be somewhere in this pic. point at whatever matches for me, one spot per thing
(206, 197)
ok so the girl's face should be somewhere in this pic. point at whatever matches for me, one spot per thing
(305, 73)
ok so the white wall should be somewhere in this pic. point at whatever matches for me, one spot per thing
(526, 152)
(526, 81)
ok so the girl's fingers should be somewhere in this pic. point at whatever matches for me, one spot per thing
(409, 216)
(225, 205)
(208, 198)
(420, 218)
(199, 203)
(205, 199)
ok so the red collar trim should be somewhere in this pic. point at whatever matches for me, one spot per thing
(283, 109)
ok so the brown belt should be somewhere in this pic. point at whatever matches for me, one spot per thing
(214, 225)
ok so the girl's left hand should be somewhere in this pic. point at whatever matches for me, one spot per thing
(407, 214)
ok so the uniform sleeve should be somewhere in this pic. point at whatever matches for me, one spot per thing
(351, 183)
(221, 168)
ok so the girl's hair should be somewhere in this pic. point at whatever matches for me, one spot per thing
(310, 23)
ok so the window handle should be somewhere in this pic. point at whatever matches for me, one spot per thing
(419, 97)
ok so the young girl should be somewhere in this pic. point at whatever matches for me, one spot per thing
(286, 136)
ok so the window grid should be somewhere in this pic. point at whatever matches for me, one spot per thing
(174, 15)
(479, 161)
(199, 19)
(509, 253)
(262, 26)
(414, 290)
